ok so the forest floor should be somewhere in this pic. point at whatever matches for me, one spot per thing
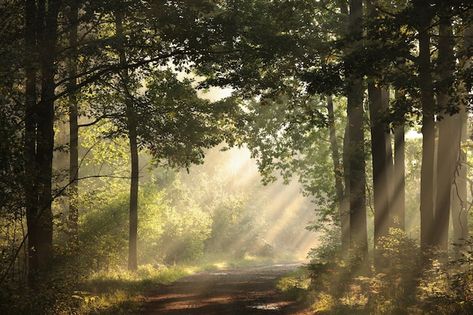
(248, 290)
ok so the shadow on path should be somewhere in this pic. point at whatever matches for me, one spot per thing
(243, 291)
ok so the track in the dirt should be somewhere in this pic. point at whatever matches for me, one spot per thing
(244, 291)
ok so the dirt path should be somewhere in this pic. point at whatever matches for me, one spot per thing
(243, 291)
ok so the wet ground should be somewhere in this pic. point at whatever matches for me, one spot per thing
(242, 291)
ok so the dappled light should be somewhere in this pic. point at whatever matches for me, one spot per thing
(236, 157)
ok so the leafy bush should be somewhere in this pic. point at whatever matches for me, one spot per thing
(447, 288)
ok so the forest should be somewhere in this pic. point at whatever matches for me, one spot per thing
(236, 157)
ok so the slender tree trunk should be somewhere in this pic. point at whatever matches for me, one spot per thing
(45, 140)
(73, 126)
(459, 192)
(132, 256)
(132, 136)
(449, 134)
(459, 189)
(338, 171)
(382, 161)
(399, 190)
(31, 193)
(346, 180)
(428, 126)
(358, 226)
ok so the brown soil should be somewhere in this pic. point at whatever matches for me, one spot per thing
(243, 291)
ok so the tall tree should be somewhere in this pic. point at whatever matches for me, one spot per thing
(459, 189)
(423, 11)
(399, 178)
(382, 160)
(41, 36)
(449, 130)
(339, 177)
(358, 226)
(31, 193)
(73, 122)
(47, 19)
(381, 150)
(131, 122)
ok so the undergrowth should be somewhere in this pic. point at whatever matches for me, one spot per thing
(403, 284)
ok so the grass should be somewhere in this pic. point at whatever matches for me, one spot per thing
(123, 292)
(295, 284)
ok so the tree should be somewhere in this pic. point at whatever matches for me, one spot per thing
(40, 40)
(131, 123)
(73, 122)
(340, 175)
(424, 12)
(381, 150)
(450, 128)
(358, 229)
(382, 161)
(459, 189)
(399, 187)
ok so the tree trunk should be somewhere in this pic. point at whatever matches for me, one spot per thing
(459, 189)
(338, 171)
(358, 232)
(40, 39)
(45, 132)
(132, 136)
(382, 161)
(346, 180)
(31, 193)
(399, 190)
(449, 135)
(428, 125)
(73, 126)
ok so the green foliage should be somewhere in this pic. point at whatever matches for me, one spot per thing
(288, 134)
(234, 228)
(184, 235)
(163, 230)
(405, 284)
(295, 284)
(447, 288)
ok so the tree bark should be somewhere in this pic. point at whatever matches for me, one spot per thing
(382, 161)
(459, 189)
(459, 200)
(132, 136)
(45, 131)
(40, 39)
(428, 125)
(338, 171)
(399, 190)
(31, 193)
(358, 226)
(73, 126)
(449, 134)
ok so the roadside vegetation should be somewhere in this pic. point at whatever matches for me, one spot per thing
(333, 283)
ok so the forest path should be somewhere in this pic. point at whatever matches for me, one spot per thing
(243, 291)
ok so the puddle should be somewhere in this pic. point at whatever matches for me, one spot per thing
(267, 307)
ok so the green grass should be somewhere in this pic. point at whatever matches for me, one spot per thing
(122, 292)
(295, 284)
